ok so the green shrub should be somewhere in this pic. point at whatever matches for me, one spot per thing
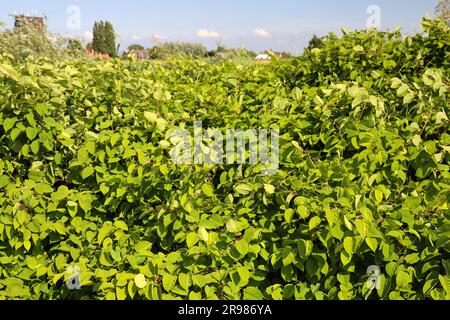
(86, 179)
(177, 50)
(26, 41)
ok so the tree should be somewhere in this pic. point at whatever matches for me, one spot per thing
(26, 40)
(443, 10)
(224, 52)
(135, 47)
(75, 47)
(104, 38)
(178, 49)
(315, 42)
(110, 38)
(98, 40)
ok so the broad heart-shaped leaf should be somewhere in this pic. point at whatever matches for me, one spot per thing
(203, 234)
(270, 189)
(349, 245)
(288, 256)
(314, 222)
(43, 188)
(121, 293)
(208, 189)
(372, 243)
(185, 281)
(243, 189)
(32, 132)
(403, 279)
(378, 196)
(140, 281)
(345, 258)
(253, 294)
(168, 281)
(417, 140)
(121, 225)
(441, 117)
(232, 226)
(150, 116)
(87, 172)
(9, 123)
(305, 248)
(192, 238)
(61, 193)
(242, 247)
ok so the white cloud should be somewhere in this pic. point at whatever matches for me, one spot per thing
(260, 32)
(205, 33)
(88, 35)
(136, 37)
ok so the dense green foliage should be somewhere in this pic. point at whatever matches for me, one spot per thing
(86, 178)
(135, 47)
(235, 54)
(23, 42)
(104, 38)
(170, 50)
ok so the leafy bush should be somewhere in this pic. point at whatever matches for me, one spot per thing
(177, 50)
(26, 41)
(239, 55)
(86, 179)
(360, 54)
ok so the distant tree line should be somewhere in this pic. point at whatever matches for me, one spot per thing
(30, 37)
(170, 50)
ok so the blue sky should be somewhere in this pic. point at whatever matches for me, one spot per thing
(258, 25)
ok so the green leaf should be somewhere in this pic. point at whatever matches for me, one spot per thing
(253, 294)
(349, 245)
(192, 238)
(314, 222)
(208, 189)
(8, 124)
(270, 189)
(203, 234)
(61, 193)
(403, 279)
(417, 140)
(140, 281)
(305, 248)
(232, 226)
(303, 212)
(379, 196)
(43, 188)
(151, 116)
(409, 98)
(372, 243)
(242, 247)
(168, 281)
(243, 189)
(31, 132)
(121, 225)
(87, 172)
(287, 256)
(185, 281)
(441, 117)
